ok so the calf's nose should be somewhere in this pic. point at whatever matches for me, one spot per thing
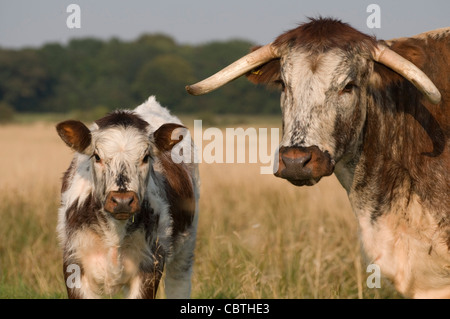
(122, 202)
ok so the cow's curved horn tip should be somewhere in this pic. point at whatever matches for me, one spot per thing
(190, 90)
(435, 97)
(195, 90)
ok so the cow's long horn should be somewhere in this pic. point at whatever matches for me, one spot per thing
(409, 71)
(235, 70)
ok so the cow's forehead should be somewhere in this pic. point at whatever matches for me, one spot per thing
(308, 77)
(315, 69)
(118, 140)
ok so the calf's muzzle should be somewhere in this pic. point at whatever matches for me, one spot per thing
(122, 205)
(304, 165)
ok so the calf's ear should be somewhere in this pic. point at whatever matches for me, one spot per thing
(75, 134)
(168, 135)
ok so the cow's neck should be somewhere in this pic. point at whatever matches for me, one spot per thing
(400, 146)
(392, 181)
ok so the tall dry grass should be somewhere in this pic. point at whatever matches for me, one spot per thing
(258, 236)
(31, 165)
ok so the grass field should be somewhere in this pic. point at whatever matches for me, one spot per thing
(258, 236)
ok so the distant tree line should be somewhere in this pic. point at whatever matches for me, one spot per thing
(89, 74)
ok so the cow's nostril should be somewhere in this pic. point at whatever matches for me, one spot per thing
(305, 160)
(122, 202)
(299, 161)
(301, 164)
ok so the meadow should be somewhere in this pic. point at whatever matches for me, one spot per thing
(258, 236)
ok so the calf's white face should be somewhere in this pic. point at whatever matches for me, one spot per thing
(120, 165)
(120, 152)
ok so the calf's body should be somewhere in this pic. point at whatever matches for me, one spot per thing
(127, 208)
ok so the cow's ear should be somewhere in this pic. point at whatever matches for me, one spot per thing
(267, 74)
(75, 134)
(168, 135)
(409, 48)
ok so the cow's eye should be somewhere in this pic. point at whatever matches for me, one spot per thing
(97, 158)
(349, 87)
(145, 159)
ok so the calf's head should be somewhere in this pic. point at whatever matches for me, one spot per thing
(119, 150)
(325, 69)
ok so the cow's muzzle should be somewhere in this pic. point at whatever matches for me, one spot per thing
(304, 165)
(122, 205)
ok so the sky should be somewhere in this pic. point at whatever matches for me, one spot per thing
(31, 23)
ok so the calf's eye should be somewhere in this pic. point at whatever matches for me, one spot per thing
(145, 159)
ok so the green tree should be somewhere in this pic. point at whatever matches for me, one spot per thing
(90, 72)
(24, 81)
(6, 112)
(165, 76)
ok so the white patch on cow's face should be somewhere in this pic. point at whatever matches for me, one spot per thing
(120, 160)
(321, 100)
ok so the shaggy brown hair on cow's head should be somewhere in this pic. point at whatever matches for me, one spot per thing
(316, 36)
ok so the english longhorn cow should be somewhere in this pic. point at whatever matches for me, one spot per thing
(127, 209)
(377, 114)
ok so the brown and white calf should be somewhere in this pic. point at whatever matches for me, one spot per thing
(377, 114)
(127, 208)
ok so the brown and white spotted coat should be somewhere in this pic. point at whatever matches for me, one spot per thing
(387, 145)
(345, 111)
(127, 210)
